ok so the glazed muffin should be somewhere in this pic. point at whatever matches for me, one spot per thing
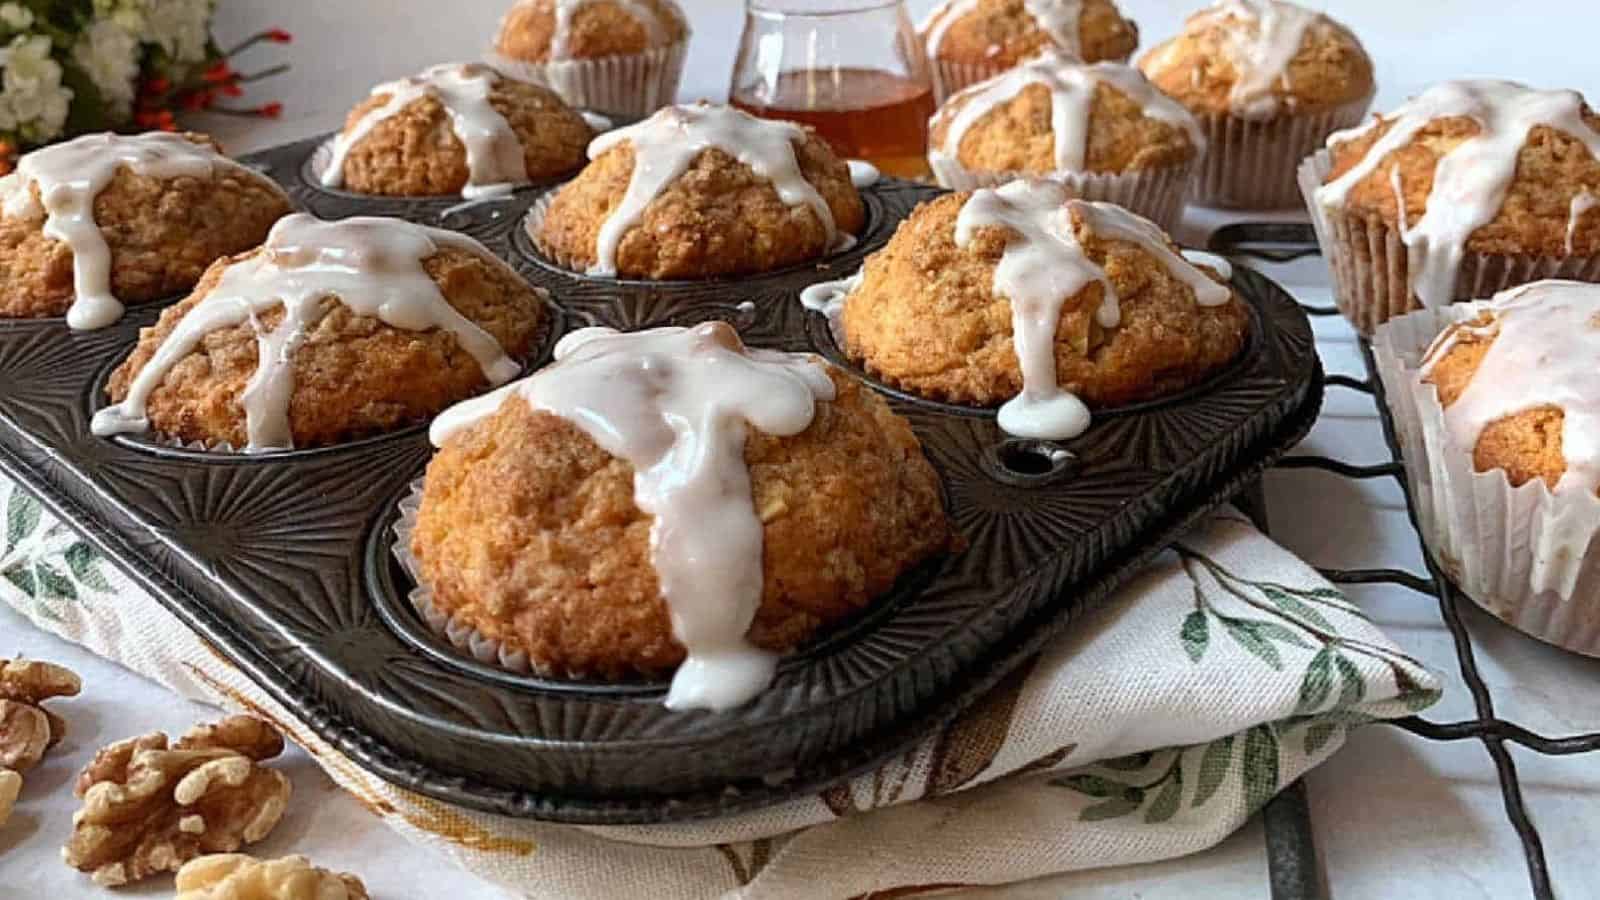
(1518, 169)
(1269, 81)
(620, 57)
(959, 307)
(968, 41)
(286, 347)
(159, 209)
(455, 129)
(1498, 410)
(1100, 128)
(718, 216)
(533, 532)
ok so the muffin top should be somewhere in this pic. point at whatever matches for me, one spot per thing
(1023, 296)
(1261, 59)
(131, 218)
(546, 30)
(1054, 114)
(1518, 387)
(700, 191)
(329, 331)
(1006, 32)
(456, 128)
(668, 495)
(1517, 169)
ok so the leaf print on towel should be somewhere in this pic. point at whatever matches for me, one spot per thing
(761, 853)
(1124, 786)
(968, 746)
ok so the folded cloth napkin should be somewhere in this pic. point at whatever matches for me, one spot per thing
(1153, 729)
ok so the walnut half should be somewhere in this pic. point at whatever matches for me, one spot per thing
(149, 808)
(10, 787)
(27, 729)
(234, 876)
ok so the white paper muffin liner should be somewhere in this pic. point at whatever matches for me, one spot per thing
(950, 77)
(533, 224)
(460, 633)
(1156, 194)
(630, 86)
(1252, 165)
(1371, 263)
(1528, 556)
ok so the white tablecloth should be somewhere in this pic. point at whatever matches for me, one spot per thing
(1394, 815)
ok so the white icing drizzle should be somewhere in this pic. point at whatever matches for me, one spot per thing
(828, 298)
(677, 404)
(495, 163)
(1582, 202)
(372, 266)
(1072, 87)
(863, 174)
(1042, 267)
(665, 145)
(1546, 340)
(1469, 182)
(566, 10)
(1057, 18)
(1260, 54)
(70, 175)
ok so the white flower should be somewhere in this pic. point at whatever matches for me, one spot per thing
(15, 16)
(181, 27)
(109, 55)
(32, 102)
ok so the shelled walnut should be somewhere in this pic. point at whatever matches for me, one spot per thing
(27, 729)
(149, 808)
(234, 876)
(10, 786)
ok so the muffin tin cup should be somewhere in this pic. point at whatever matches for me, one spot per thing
(1252, 165)
(1371, 263)
(629, 86)
(1156, 194)
(1526, 555)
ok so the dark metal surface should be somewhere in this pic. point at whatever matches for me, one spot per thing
(281, 561)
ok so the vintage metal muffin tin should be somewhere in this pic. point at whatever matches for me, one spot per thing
(282, 562)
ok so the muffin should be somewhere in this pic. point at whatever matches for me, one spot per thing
(1496, 406)
(1269, 81)
(328, 332)
(1099, 128)
(697, 192)
(968, 41)
(1515, 171)
(619, 57)
(666, 501)
(137, 218)
(1052, 306)
(455, 129)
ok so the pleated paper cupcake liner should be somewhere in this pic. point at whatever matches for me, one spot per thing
(1252, 165)
(1156, 194)
(533, 225)
(629, 86)
(950, 77)
(1371, 264)
(1527, 555)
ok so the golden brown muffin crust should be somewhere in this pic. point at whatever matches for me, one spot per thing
(415, 152)
(718, 218)
(162, 232)
(353, 376)
(1003, 33)
(1552, 168)
(1018, 135)
(927, 320)
(598, 29)
(1330, 70)
(529, 531)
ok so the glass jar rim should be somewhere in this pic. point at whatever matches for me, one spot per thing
(790, 8)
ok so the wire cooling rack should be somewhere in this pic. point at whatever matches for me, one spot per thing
(1291, 852)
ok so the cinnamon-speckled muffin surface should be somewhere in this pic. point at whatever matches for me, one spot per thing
(1005, 32)
(531, 29)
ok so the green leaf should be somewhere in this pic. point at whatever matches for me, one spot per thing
(54, 584)
(1196, 634)
(22, 517)
(84, 563)
(1132, 763)
(1166, 804)
(1215, 764)
(1092, 785)
(1260, 766)
(23, 579)
(1297, 609)
(1115, 808)
(1248, 635)
(1317, 737)
(1272, 631)
(1318, 682)
(1354, 689)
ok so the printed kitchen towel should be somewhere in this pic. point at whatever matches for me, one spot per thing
(1154, 729)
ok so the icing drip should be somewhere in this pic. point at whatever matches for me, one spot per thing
(1072, 87)
(495, 163)
(1043, 266)
(677, 404)
(1546, 339)
(72, 174)
(1469, 182)
(667, 143)
(567, 10)
(828, 298)
(863, 174)
(1260, 55)
(372, 266)
(1057, 18)
(1581, 204)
